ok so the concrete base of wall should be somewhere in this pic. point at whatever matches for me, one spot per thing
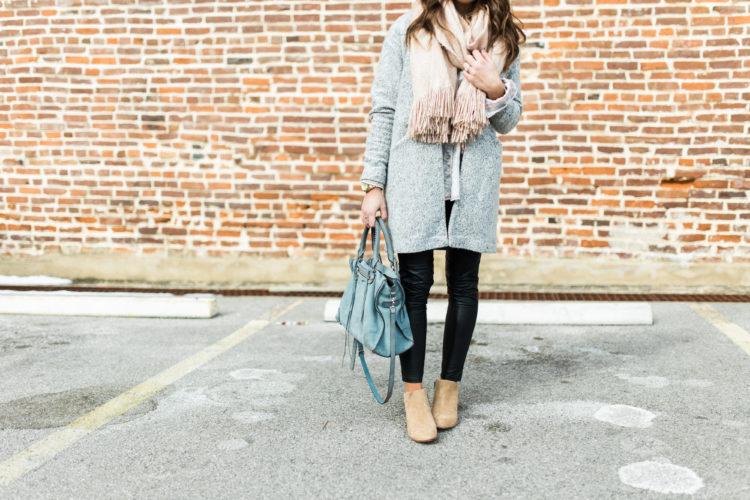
(496, 273)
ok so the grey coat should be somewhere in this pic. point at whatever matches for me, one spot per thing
(411, 172)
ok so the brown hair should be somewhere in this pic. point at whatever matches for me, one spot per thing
(501, 24)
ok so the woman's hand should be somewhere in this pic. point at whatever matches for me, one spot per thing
(480, 70)
(374, 201)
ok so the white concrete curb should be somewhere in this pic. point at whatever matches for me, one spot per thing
(70, 303)
(537, 312)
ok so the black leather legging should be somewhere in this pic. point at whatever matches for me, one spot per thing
(462, 277)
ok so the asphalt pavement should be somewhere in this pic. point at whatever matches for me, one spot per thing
(255, 403)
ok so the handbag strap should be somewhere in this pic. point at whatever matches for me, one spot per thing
(360, 255)
(375, 232)
(392, 328)
(363, 243)
(388, 243)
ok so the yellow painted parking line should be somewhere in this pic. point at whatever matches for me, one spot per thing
(46, 448)
(735, 332)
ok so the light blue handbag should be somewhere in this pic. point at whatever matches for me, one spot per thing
(372, 309)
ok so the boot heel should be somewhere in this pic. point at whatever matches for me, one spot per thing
(445, 403)
(420, 425)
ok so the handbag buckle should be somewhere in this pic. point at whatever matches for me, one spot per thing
(369, 277)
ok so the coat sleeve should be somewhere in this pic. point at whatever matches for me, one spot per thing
(384, 95)
(507, 119)
(493, 106)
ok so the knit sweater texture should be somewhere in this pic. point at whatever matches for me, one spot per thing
(451, 164)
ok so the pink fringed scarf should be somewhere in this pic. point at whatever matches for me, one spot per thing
(441, 113)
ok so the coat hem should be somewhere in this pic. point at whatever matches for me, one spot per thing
(421, 246)
(438, 244)
(473, 245)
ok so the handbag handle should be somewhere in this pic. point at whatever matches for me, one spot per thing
(388, 241)
(375, 231)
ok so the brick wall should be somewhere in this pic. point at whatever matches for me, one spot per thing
(229, 128)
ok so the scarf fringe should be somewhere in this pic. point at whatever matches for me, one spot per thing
(469, 115)
(430, 116)
(440, 114)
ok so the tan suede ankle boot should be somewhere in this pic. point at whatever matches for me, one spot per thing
(419, 422)
(445, 403)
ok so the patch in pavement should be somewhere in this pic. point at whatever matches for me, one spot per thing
(737, 424)
(232, 444)
(625, 416)
(578, 410)
(696, 382)
(550, 358)
(660, 476)
(251, 416)
(497, 427)
(42, 341)
(173, 402)
(657, 382)
(320, 359)
(252, 391)
(240, 392)
(258, 387)
(252, 373)
(650, 381)
(58, 409)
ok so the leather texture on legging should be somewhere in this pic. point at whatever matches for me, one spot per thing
(462, 277)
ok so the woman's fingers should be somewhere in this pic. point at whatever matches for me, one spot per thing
(368, 218)
(469, 61)
(477, 57)
(475, 60)
(370, 205)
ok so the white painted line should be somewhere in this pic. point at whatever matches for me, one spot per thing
(735, 332)
(71, 303)
(537, 312)
(46, 448)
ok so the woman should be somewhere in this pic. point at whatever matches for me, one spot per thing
(446, 83)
